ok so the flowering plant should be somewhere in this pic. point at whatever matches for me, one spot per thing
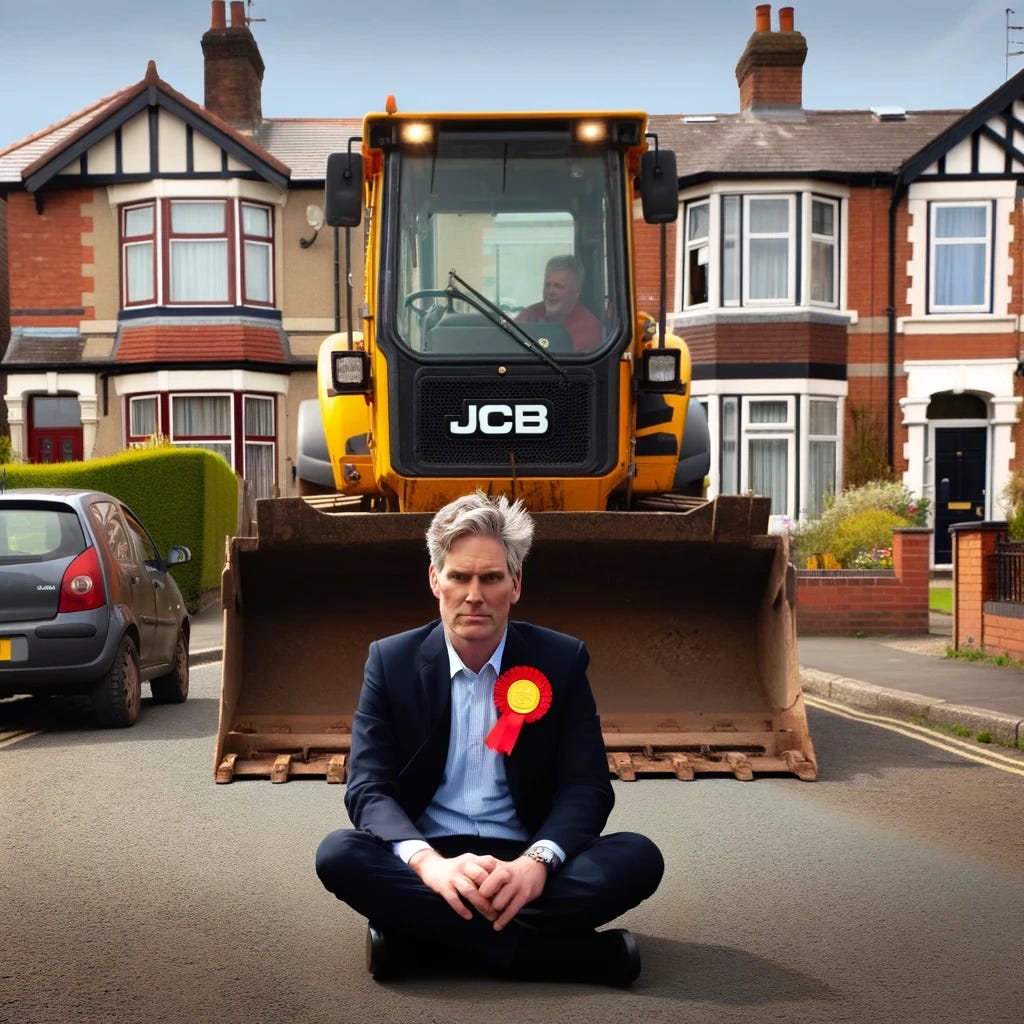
(876, 558)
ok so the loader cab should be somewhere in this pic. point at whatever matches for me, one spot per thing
(502, 233)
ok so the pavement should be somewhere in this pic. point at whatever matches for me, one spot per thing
(900, 677)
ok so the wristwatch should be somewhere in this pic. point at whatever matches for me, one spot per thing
(543, 855)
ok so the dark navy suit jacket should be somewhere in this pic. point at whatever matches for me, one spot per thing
(557, 772)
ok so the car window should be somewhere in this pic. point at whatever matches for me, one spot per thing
(38, 534)
(150, 554)
(107, 518)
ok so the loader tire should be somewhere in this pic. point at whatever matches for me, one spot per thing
(173, 687)
(117, 696)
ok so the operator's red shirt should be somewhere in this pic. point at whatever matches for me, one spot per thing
(584, 328)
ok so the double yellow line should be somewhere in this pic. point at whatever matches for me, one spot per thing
(950, 744)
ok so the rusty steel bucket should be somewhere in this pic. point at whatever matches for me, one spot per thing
(688, 616)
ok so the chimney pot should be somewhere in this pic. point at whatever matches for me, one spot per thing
(217, 15)
(770, 71)
(233, 70)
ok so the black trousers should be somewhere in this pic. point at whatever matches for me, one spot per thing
(594, 886)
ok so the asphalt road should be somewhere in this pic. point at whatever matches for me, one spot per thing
(133, 889)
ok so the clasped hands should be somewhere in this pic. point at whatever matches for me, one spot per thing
(496, 889)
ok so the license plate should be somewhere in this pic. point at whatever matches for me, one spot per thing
(5, 649)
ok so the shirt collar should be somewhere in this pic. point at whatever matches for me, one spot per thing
(456, 664)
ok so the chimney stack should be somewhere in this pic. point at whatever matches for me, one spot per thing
(770, 72)
(233, 68)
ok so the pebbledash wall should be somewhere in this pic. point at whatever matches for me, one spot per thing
(995, 627)
(838, 602)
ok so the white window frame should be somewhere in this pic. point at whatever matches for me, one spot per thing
(789, 299)
(784, 431)
(135, 437)
(987, 240)
(692, 248)
(808, 439)
(813, 238)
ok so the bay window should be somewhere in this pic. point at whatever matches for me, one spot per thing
(761, 250)
(197, 252)
(241, 428)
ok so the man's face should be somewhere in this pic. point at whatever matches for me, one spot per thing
(561, 293)
(475, 591)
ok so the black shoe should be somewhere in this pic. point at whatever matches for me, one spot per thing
(378, 959)
(619, 962)
(591, 958)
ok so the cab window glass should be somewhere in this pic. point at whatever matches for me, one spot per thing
(490, 233)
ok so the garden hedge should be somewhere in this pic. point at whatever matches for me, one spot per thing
(183, 496)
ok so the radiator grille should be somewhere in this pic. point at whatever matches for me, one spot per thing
(568, 443)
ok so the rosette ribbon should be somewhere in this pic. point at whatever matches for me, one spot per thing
(522, 695)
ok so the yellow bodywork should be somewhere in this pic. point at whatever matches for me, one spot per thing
(686, 606)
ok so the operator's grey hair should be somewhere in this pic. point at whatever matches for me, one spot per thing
(571, 263)
(485, 516)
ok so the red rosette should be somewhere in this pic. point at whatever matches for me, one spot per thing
(522, 695)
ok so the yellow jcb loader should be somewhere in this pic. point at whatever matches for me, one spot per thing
(466, 374)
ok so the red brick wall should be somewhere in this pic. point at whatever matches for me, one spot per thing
(647, 264)
(972, 557)
(849, 601)
(47, 278)
(789, 341)
(1004, 634)
(994, 628)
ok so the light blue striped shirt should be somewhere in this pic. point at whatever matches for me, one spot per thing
(473, 798)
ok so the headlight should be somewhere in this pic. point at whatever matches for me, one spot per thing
(417, 133)
(660, 369)
(350, 371)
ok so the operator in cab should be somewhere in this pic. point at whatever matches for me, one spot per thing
(479, 786)
(563, 284)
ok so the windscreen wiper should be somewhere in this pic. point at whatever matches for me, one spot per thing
(496, 315)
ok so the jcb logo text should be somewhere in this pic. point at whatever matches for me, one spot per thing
(526, 418)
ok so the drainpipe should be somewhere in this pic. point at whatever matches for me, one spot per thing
(890, 313)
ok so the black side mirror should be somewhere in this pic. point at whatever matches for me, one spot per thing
(659, 186)
(343, 193)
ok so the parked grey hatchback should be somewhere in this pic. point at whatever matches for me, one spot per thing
(87, 604)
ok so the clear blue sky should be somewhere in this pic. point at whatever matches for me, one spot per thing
(340, 58)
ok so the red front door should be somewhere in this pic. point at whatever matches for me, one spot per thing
(55, 429)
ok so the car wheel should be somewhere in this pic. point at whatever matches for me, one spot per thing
(173, 687)
(117, 696)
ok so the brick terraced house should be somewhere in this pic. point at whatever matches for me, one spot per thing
(846, 280)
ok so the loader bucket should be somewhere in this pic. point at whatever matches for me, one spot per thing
(688, 617)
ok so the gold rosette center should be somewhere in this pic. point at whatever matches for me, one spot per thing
(523, 696)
